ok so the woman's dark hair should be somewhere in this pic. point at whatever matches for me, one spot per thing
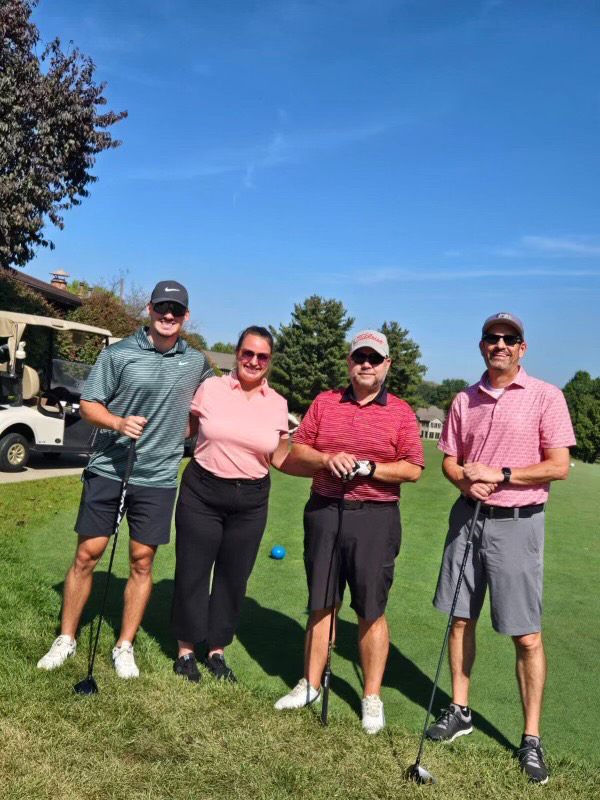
(254, 330)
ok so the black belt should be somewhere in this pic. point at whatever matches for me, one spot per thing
(353, 505)
(502, 512)
(233, 481)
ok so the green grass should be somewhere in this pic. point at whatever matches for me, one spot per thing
(160, 738)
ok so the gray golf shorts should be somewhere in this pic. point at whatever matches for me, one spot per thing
(508, 557)
(368, 546)
(149, 509)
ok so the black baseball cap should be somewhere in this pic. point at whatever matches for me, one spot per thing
(169, 290)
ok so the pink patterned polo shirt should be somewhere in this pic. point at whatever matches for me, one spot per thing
(512, 431)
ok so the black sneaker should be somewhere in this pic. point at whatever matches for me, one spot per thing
(217, 667)
(531, 759)
(451, 724)
(187, 667)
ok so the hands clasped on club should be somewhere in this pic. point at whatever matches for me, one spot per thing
(346, 466)
(480, 480)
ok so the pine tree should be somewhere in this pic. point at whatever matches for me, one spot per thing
(406, 373)
(310, 351)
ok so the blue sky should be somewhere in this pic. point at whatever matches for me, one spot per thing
(423, 161)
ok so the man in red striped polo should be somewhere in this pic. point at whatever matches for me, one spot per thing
(362, 442)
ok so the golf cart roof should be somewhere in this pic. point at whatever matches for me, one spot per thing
(8, 317)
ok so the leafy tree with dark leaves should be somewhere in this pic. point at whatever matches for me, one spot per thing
(448, 390)
(582, 394)
(406, 373)
(310, 351)
(50, 132)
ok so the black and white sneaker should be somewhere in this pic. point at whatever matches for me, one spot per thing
(217, 667)
(452, 723)
(531, 759)
(187, 667)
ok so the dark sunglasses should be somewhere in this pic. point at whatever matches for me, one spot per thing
(493, 338)
(374, 359)
(168, 305)
(262, 358)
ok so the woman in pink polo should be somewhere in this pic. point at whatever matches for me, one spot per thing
(222, 507)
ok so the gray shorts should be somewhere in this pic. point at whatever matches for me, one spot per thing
(508, 556)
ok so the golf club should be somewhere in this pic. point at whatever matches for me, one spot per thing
(416, 772)
(88, 685)
(335, 548)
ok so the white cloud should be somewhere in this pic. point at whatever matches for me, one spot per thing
(563, 245)
(281, 148)
(372, 275)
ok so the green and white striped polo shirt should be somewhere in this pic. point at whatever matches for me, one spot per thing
(131, 377)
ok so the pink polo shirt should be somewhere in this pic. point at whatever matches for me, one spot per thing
(237, 436)
(512, 431)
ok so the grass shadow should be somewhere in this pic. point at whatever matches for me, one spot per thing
(275, 642)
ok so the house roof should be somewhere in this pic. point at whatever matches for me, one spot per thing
(51, 292)
(428, 414)
(223, 361)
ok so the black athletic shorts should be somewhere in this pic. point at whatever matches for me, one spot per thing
(149, 509)
(369, 544)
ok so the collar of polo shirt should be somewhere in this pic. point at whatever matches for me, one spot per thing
(348, 396)
(235, 383)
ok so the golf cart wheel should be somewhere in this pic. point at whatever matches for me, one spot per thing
(14, 452)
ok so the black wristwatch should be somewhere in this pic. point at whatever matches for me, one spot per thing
(506, 471)
(372, 466)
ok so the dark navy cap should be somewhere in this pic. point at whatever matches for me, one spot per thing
(169, 290)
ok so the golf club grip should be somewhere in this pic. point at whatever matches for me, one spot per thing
(130, 460)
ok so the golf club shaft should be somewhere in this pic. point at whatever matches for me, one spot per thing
(448, 626)
(119, 517)
(327, 673)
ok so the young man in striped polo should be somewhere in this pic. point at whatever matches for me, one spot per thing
(140, 388)
(371, 438)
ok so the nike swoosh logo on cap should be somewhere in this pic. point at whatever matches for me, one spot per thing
(168, 289)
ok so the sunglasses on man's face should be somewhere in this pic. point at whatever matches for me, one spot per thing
(262, 358)
(510, 340)
(374, 359)
(169, 306)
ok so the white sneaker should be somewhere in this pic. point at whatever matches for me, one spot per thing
(301, 695)
(62, 647)
(123, 660)
(372, 714)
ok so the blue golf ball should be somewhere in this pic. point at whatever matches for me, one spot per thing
(277, 552)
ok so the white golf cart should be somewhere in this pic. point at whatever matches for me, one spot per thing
(39, 408)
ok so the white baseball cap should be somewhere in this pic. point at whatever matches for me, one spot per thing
(374, 339)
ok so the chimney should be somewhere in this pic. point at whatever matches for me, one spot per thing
(59, 277)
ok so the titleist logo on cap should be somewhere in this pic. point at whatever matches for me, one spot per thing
(371, 338)
(368, 335)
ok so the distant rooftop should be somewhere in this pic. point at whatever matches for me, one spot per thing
(223, 361)
(427, 414)
(52, 293)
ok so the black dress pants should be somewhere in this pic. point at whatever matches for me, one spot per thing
(219, 523)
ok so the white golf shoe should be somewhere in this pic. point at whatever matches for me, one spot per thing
(372, 714)
(301, 695)
(123, 660)
(62, 647)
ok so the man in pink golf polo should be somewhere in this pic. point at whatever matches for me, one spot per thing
(505, 438)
